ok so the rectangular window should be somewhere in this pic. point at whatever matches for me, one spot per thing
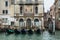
(5, 11)
(5, 20)
(12, 23)
(36, 9)
(6, 3)
(21, 10)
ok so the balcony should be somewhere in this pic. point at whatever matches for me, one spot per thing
(18, 15)
(28, 14)
(5, 23)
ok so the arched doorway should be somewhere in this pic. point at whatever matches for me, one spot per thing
(21, 22)
(28, 22)
(36, 22)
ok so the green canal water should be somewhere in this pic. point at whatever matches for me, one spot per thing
(44, 36)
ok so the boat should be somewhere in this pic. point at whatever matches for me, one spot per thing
(23, 31)
(16, 31)
(30, 31)
(38, 31)
(10, 31)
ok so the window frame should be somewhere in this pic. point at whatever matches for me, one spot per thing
(5, 11)
(6, 3)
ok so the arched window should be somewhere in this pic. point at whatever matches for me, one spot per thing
(29, 22)
(21, 10)
(21, 20)
(6, 3)
(36, 9)
(36, 22)
(21, 23)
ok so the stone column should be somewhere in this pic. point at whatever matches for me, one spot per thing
(42, 23)
(32, 24)
(25, 23)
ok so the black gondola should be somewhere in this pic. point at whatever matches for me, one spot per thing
(17, 31)
(2, 30)
(30, 31)
(38, 31)
(9, 31)
(23, 31)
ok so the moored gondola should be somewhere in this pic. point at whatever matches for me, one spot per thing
(23, 31)
(30, 31)
(9, 31)
(38, 31)
(16, 31)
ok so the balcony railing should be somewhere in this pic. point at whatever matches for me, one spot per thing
(28, 14)
(25, 14)
(18, 14)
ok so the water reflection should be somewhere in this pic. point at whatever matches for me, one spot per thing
(44, 36)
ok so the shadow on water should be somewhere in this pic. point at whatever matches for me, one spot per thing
(51, 33)
(7, 34)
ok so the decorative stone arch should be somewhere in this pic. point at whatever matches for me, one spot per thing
(28, 18)
(21, 18)
(21, 22)
(36, 18)
(37, 22)
(28, 22)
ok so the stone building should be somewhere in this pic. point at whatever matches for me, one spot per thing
(57, 13)
(52, 11)
(6, 12)
(22, 13)
(46, 19)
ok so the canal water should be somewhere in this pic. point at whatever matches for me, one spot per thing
(44, 36)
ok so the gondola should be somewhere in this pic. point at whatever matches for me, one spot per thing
(38, 31)
(30, 31)
(16, 31)
(23, 31)
(9, 31)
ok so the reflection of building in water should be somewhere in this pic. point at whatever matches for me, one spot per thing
(22, 13)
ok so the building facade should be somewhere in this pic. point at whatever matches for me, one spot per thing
(45, 19)
(22, 13)
(6, 12)
(52, 11)
(57, 13)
